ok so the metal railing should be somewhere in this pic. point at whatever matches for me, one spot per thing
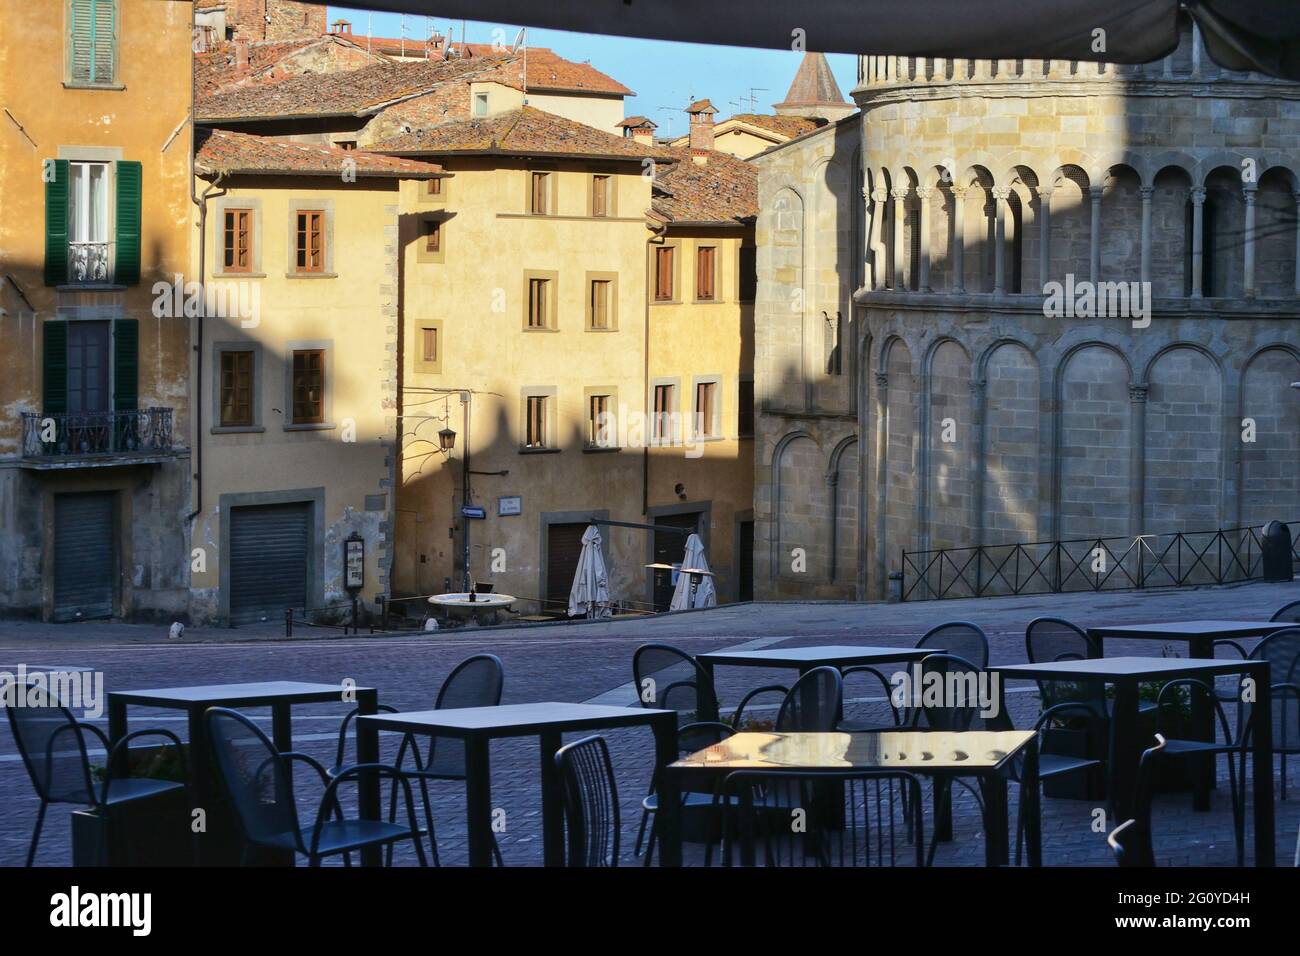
(1176, 559)
(96, 433)
(88, 261)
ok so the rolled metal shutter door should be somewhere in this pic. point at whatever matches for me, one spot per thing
(268, 560)
(85, 556)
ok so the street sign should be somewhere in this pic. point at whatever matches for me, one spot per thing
(354, 562)
(510, 505)
(473, 511)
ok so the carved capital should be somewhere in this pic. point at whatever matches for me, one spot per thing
(925, 192)
(1147, 192)
(899, 193)
(882, 380)
(879, 194)
(1198, 195)
(1138, 393)
(1001, 193)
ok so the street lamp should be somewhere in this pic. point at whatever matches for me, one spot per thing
(446, 440)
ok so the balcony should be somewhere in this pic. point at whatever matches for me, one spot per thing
(88, 263)
(91, 439)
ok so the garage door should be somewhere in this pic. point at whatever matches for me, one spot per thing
(268, 560)
(85, 557)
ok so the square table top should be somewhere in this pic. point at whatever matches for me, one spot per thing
(832, 654)
(1127, 668)
(234, 695)
(922, 751)
(1166, 630)
(513, 720)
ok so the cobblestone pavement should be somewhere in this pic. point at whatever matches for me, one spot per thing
(582, 662)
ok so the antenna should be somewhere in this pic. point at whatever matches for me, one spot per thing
(402, 33)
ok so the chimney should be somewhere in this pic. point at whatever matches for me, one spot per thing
(700, 157)
(640, 129)
(241, 54)
(341, 28)
(644, 134)
(701, 113)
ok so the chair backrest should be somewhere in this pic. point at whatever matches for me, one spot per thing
(591, 812)
(667, 678)
(1050, 639)
(960, 638)
(255, 778)
(959, 703)
(1288, 612)
(475, 682)
(1131, 840)
(872, 828)
(51, 745)
(813, 702)
(1177, 700)
(1282, 651)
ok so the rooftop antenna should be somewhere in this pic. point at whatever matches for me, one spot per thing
(672, 112)
(402, 33)
(752, 98)
(368, 20)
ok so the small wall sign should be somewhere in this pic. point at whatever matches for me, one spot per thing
(354, 562)
(510, 505)
(473, 511)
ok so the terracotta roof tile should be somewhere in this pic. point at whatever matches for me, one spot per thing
(225, 151)
(814, 84)
(527, 131)
(724, 190)
(790, 126)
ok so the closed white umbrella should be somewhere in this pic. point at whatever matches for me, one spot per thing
(589, 595)
(705, 594)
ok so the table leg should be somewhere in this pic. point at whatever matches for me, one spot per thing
(1125, 751)
(670, 808)
(117, 724)
(996, 842)
(1030, 805)
(281, 727)
(478, 801)
(203, 789)
(1262, 732)
(552, 800)
(1202, 717)
(942, 799)
(367, 752)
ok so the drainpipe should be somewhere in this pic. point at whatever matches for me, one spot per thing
(202, 202)
(655, 240)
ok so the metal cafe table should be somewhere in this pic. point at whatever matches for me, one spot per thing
(1200, 637)
(280, 696)
(1125, 674)
(982, 754)
(478, 726)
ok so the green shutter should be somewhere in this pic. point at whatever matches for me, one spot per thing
(54, 379)
(81, 40)
(126, 365)
(126, 270)
(56, 224)
(104, 63)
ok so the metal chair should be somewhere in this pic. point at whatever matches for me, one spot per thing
(591, 813)
(1290, 613)
(258, 780)
(477, 681)
(813, 703)
(1130, 842)
(1282, 651)
(863, 724)
(1053, 639)
(60, 777)
(787, 818)
(960, 638)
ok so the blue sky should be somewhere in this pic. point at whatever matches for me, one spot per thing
(666, 76)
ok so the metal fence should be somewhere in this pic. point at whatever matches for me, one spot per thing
(1176, 559)
(96, 433)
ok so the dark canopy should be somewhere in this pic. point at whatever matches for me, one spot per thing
(1261, 35)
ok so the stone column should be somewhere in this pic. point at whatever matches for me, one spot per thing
(977, 447)
(1196, 52)
(900, 212)
(1044, 235)
(1094, 236)
(1248, 275)
(1147, 193)
(882, 449)
(923, 277)
(1137, 396)
(1000, 194)
(1198, 252)
(879, 277)
(957, 253)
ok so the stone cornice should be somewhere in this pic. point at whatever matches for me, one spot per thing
(1032, 304)
(869, 97)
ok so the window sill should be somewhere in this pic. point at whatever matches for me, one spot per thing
(237, 429)
(600, 449)
(708, 301)
(707, 439)
(91, 287)
(69, 85)
(665, 301)
(547, 329)
(239, 275)
(311, 275)
(590, 329)
(539, 451)
(309, 426)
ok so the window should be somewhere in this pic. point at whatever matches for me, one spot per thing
(748, 273)
(480, 104)
(706, 409)
(539, 204)
(346, 144)
(538, 304)
(92, 41)
(308, 387)
(745, 411)
(433, 187)
(706, 258)
(310, 241)
(661, 426)
(535, 425)
(429, 344)
(432, 235)
(236, 389)
(600, 424)
(600, 195)
(88, 222)
(664, 273)
(598, 316)
(237, 241)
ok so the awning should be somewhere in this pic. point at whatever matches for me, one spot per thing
(1262, 35)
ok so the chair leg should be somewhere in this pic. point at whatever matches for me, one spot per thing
(496, 851)
(1238, 812)
(428, 819)
(640, 832)
(942, 798)
(650, 842)
(36, 833)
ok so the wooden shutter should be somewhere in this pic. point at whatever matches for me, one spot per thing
(54, 378)
(56, 224)
(104, 48)
(704, 272)
(600, 195)
(126, 269)
(664, 273)
(126, 364)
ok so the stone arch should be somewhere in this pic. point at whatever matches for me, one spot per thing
(1223, 233)
(1022, 237)
(979, 227)
(949, 440)
(1012, 449)
(798, 502)
(787, 254)
(1276, 211)
(898, 510)
(1182, 467)
(1071, 223)
(1093, 428)
(1270, 465)
(1171, 231)
(1121, 224)
(846, 521)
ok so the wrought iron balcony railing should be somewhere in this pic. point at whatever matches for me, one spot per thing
(72, 434)
(87, 262)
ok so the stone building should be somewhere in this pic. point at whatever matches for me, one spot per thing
(1022, 301)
